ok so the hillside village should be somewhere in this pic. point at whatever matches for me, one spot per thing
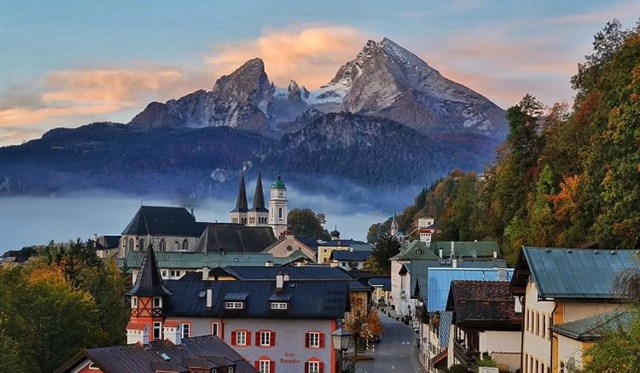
(249, 295)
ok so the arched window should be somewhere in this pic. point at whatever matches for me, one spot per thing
(185, 245)
(131, 244)
(141, 245)
(163, 245)
(280, 213)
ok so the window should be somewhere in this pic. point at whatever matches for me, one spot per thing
(241, 338)
(314, 340)
(279, 305)
(157, 302)
(164, 273)
(141, 244)
(163, 245)
(233, 305)
(229, 369)
(266, 338)
(313, 366)
(157, 330)
(266, 366)
(280, 213)
(130, 244)
(185, 245)
(134, 302)
(176, 246)
(186, 330)
(215, 328)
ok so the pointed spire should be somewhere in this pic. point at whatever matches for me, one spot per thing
(258, 197)
(149, 282)
(241, 202)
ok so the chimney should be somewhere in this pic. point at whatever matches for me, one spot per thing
(454, 263)
(137, 333)
(502, 274)
(286, 277)
(440, 252)
(172, 332)
(453, 249)
(209, 299)
(279, 281)
(205, 273)
(268, 263)
(495, 255)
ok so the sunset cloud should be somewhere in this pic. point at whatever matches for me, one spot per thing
(310, 55)
(73, 97)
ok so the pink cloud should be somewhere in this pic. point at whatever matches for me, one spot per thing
(311, 55)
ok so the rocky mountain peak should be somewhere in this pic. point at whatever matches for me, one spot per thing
(250, 74)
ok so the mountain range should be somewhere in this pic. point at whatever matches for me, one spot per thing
(386, 120)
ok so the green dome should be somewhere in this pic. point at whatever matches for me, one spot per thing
(278, 184)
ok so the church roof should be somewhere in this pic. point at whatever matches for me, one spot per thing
(241, 202)
(162, 220)
(149, 282)
(258, 197)
(227, 237)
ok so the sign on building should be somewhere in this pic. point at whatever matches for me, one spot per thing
(488, 370)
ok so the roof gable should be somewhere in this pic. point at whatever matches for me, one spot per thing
(162, 220)
(227, 237)
(483, 304)
(573, 273)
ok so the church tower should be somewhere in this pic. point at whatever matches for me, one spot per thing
(278, 207)
(258, 215)
(394, 227)
(148, 296)
(239, 214)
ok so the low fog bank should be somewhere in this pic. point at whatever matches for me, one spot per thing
(28, 220)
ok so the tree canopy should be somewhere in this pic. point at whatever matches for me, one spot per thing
(306, 223)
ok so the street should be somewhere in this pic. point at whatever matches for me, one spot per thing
(396, 352)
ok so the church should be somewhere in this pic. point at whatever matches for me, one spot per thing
(259, 215)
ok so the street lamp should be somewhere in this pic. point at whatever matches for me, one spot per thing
(340, 338)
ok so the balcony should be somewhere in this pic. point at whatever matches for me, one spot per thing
(466, 357)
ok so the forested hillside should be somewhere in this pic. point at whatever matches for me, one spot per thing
(564, 176)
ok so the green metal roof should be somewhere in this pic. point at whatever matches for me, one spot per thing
(278, 183)
(592, 328)
(469, 249)
(415, 250)
(577, 273)
(184, 260)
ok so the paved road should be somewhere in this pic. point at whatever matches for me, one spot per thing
(395, 354)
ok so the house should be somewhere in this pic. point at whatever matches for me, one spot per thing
(289, 243)
(349, 260)
(107, 246)
(381, 289)
(575, 336)
(485, 319)
(559, 286)
(359, 289)
(325, 248)
(280, 324)
(199, 354)
(174, 265)
(426, 229)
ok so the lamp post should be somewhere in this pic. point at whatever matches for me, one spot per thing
(340, 338)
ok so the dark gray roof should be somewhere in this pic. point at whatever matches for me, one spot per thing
(191, 353)
(307, 299)
(149, 282)
(573, 273)
(345, 255)
(310, 242)
(384, 282)
(161, 220)
(592, 328)
(483, 304)
(227, 237)
(107, 242)
(241, 201)
(258, 197)
(304, 273)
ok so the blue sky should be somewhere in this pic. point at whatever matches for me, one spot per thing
(74, 62)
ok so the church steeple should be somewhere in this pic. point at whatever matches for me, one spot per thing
(241, 201)
(239, 214)
(258, 197)
(149, 282)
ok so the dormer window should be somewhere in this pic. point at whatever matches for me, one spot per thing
(157, 302)
(279, 305)
(134, 302)
(233, 305)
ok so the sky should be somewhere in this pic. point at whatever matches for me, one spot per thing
(73, 62)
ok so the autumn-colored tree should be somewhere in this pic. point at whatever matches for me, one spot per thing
(363, 327)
